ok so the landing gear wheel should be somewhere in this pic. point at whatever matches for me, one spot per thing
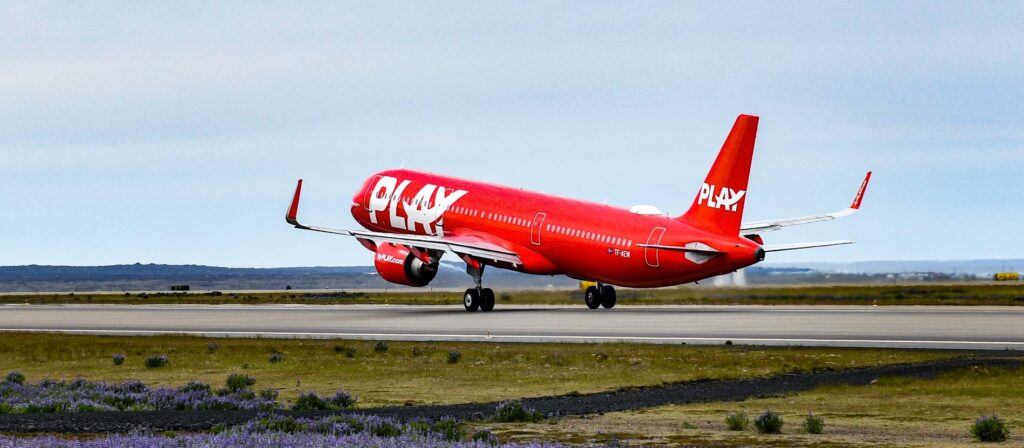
(471, 300)
(487, 299)
(592, 297)
(607, 296)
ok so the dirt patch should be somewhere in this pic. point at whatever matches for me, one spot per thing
(575, 404)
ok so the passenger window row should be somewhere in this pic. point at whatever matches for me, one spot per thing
(587, 235)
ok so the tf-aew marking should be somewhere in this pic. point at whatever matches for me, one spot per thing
(426, 208)
(726, 199)
(618, 252)
(389, 258)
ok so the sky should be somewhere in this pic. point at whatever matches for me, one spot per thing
(170, 132)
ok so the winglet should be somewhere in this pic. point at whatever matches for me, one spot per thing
(293, 211)
(860, 193)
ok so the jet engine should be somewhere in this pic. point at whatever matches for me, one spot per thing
(397, 264)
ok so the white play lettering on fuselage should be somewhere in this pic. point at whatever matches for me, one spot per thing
(426, 208)
(726, 199)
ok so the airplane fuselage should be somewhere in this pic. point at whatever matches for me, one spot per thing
(552, 235)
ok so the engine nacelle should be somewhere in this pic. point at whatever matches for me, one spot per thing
(397, 264)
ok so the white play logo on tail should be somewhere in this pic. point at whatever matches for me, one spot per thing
(726, 199)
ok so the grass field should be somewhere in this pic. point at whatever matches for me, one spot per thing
(1011, 293)
(414, 372)
(891, 412)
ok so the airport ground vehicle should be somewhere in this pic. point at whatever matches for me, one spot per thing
(412, 218)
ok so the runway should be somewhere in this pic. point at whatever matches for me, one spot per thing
(987, 328)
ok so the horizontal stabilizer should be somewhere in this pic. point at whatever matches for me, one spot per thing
(796, 246)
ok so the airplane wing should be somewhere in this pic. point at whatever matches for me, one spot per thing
(748, 228)
(475, 247)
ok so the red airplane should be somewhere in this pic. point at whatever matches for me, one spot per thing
(412, 218)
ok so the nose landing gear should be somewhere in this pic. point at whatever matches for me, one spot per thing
(598, 296)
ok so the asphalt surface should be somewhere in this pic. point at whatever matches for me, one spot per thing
(985, 328)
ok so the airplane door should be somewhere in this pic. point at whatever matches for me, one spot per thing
(538, 223)
(651, 253)
(370, 191)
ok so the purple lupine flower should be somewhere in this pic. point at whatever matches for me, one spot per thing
(81, 395)
(272, 431)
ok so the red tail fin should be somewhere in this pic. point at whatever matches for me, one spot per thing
(719, 203)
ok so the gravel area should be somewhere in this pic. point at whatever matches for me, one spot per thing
(596, 403)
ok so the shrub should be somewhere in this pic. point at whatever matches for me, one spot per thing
(514, 411)
(15, 377)
(212, 347)
(485, 436)
(990, 428)
(416, 351)
(278, 423)
(118, 359)
(770, 422)
(420, 426)
(737, 421)
(239, 381)
(309, 401)
(342, 400)
(380, 347)
(156, 361)
(244, 394)
(268, 394)
(349, 352)
(195, 386)
(454, 356)
(276, 357)
(449, 429)
(601, 356)
(813, 424)
(386, 429)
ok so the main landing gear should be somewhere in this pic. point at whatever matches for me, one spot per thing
(478, 298)
(600, 295)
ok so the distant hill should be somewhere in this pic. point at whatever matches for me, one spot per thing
(153, 277)
(159, 277)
